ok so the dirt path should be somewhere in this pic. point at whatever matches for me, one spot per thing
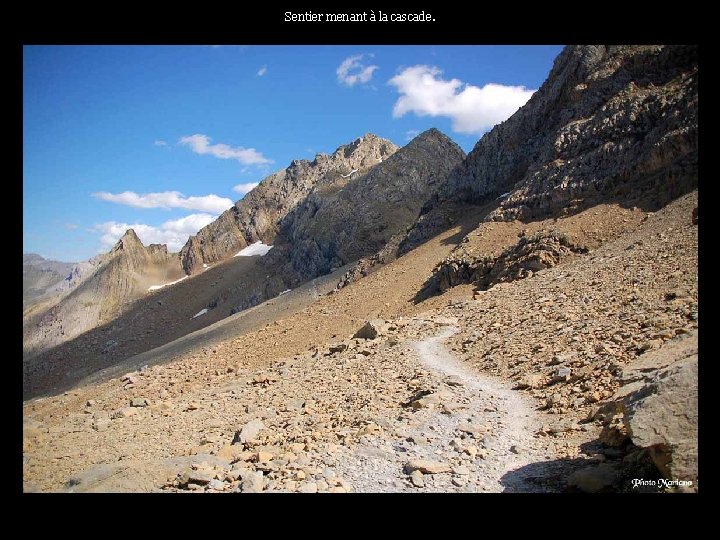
(512, 445)
(476, 424)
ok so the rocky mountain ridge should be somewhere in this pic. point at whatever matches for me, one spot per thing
(258, 214)
(609, 122)
(347, 205)
(342, 219)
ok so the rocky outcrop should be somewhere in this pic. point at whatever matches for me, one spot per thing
(258, 214)
(354, 217)
(129, 270)
(531, 254)
(609, 121)
(372, 329)
(663, 417)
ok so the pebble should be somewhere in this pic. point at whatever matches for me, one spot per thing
(426, 466)
(251, 483)
(460, 470)
(416, 477)
(249, 432)
(308, 487)
(216, 485)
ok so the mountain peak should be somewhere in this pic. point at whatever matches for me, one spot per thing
(366, 145)
(129, 240)
(434, 138)
(432, 133)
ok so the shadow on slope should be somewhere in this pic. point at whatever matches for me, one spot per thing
(154, 319)
(613, 474)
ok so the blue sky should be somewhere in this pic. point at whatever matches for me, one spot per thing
(163, 138)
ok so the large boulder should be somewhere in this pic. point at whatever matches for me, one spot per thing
(662, 417)
(659, 407)
(372, 329)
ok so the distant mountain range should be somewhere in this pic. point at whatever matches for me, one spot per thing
(41, 275)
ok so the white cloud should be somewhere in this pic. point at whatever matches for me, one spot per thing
(262, 71)
(472, 109)
(174, 233)
(244, 188)
(200, 144)
(160, 142)
(167, 199)
(410, 134)
(353, 71)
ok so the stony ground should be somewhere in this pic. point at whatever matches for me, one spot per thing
(466, 391)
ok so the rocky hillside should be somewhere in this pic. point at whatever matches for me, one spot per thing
(119, 277)
(545, 341)
(507, 389)
(609, 122)
(257, 215)
(40, 276)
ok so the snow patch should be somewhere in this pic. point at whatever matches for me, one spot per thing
(348, 175)
(156, 287)
(258, 248)
(201, 312)
(504, 195)
(204, 265)
(285, 292)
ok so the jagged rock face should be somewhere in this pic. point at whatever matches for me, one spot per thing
(340, 223)
(608, 121)
(258, 214)
(365, 266)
